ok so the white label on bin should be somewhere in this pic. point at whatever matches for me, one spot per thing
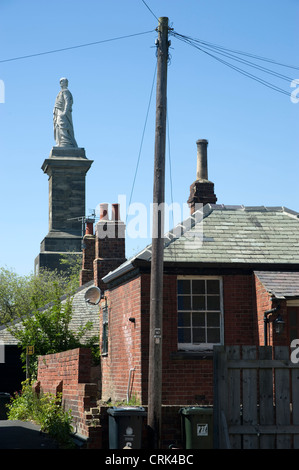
(129, 435)
(129, 431)
(202, 430)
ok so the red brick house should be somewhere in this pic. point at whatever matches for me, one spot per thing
(223, 269)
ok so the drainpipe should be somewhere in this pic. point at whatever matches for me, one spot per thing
(129, 383)
(266, 322)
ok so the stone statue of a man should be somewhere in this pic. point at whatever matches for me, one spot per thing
(62, 117)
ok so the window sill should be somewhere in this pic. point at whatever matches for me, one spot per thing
(192, 355)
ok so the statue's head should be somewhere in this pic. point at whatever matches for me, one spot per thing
(63, 82)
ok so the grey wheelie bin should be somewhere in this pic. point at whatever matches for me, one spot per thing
(125, 427)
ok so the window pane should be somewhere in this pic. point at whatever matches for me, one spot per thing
(213, 319)
(213, 302)
(213, 286)
(198, 287)
(184, 335)
(184, 319)
(198, 319)
(293, 334)
(293, 317)
(199, 316)
(184, 302)
(183, 286)
(213, 335)
(198, 302)
(199, 335)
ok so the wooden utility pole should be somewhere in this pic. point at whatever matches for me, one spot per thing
(156, 291)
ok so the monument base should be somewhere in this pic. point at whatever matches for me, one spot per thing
(57, 247)
(53, 261)
(66, 169)
(73, 152)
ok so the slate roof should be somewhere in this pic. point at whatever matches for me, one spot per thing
(82, 312)
(281, 284)
(222, 234)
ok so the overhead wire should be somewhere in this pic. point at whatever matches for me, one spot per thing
(248, 54)
(250, 64)
(224, 52)
(150, 10)
(215, 51)
(75, 47)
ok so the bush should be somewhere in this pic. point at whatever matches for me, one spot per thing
(23, 406)
(45, 410)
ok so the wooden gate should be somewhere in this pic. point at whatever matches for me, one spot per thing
(256, 398)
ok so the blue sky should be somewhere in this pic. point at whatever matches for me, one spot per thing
(252, 130)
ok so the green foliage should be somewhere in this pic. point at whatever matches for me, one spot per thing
(45, 410)
(21, 294)
(133, 401)
(48, 330)
(42, 319)
(13, 300)
(54, 420)
(23, 405)
(72, 264)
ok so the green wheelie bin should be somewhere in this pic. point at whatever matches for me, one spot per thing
(197, 427)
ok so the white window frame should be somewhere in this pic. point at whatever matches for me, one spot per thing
(204, 346)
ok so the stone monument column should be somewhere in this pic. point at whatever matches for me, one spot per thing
(66, 168)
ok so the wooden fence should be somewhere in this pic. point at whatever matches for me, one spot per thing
(256, 398)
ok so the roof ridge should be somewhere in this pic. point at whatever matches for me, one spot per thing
(291, 213)
(208, 208)
(204, 212)
(186, 225)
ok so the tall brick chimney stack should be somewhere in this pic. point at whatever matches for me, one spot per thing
(88, 254)
(109, 243)
(103, 250)
(202, 190)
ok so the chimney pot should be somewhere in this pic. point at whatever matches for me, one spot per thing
(104, 211)
(115, 211)
(202, 160)
(89, 227)
(202, 190)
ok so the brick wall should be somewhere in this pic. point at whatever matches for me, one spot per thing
(264, 303)
(187, 378)
(71, 373)
(88, 254)
(104, 251)
(109, 249)
(240, 325)
(124, 347)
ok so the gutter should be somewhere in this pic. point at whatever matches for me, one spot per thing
(127, 267)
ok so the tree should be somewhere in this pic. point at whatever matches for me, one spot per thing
(22, 294)
(14, 298)
(48, 330)
(43, 318)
